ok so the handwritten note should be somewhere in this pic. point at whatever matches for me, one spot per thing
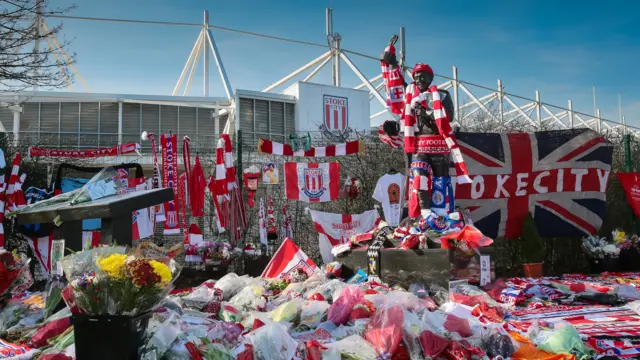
(485, 270)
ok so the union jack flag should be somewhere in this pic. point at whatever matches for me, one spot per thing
(560, 177)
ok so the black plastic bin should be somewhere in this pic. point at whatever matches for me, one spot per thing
(109, 337)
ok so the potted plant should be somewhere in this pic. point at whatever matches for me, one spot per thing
(533, 249)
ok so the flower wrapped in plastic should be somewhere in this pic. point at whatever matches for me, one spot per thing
(14, 273)
(121, 284)
(597, 248)
(218, 252)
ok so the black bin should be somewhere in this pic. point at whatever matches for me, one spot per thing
(109, 337)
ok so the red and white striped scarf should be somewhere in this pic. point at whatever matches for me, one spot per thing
(271, 218)
(211, 185)
(182, 188)
(186, 160)
(228, 161)
(393, 141)
(393, 84)
(286, 231)
(412, 96)
(221, 188)
(14, 195)
(154, 151)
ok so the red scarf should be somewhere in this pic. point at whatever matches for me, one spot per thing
(393, 84)
(412, 96)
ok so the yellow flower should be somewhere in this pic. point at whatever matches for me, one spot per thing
(162, 270)
(113, 265)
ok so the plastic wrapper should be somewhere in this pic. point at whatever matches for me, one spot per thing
(411, 329)
(164, 331)
(53, 290)
(334, 269)
(15, 275)
(358, 278)
(230, 313)
(272, 342)
(439, 294)
(250, 298)
(313, 312)
(565, 339)
(384, 331)
(211, 351)
(50, 330)
(501, 345)
(203, 295)
(432, 344)
(329, 290)
(231, 284)
(287, 311)
(354, 347)
(341, 308)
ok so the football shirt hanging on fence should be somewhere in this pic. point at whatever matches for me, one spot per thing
(312, 182)
(389, 192)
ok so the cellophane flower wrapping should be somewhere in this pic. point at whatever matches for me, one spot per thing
(111, 281)
(15, 276)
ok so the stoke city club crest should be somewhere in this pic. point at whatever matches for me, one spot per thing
(314, 184)
(336, 117)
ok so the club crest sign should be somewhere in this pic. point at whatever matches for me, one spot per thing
(314, 183)
(336, 118)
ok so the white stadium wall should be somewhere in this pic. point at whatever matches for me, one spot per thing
(319, 105)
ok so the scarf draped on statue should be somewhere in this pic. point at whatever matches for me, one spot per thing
(412, 96)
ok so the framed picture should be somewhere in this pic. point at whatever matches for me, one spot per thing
(270, 173)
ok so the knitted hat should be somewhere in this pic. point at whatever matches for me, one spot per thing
(422, 68)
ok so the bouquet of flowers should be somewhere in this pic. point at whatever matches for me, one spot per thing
(217, 251)
(597, 248)
(118, 283)
(14, 273)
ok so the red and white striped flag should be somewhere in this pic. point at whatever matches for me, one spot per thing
(337, 229)
(312, 182)
(288, 258)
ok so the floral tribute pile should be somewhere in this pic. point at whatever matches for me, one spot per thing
(315, 314)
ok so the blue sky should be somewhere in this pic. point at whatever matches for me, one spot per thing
(561, 48)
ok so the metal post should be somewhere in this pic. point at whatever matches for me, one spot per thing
(627, 153)
(186, 65)
(337, 55)
(120, 122)
(16, 126)
(205, 68)
(500, 100)
(403, 48)
(599, 119)
(331, 43)
(538, 110)
(456, 96)
(624, 126)
(570, 113)
(38, 25)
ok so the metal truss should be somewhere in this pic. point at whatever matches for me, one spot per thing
(477, 107)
